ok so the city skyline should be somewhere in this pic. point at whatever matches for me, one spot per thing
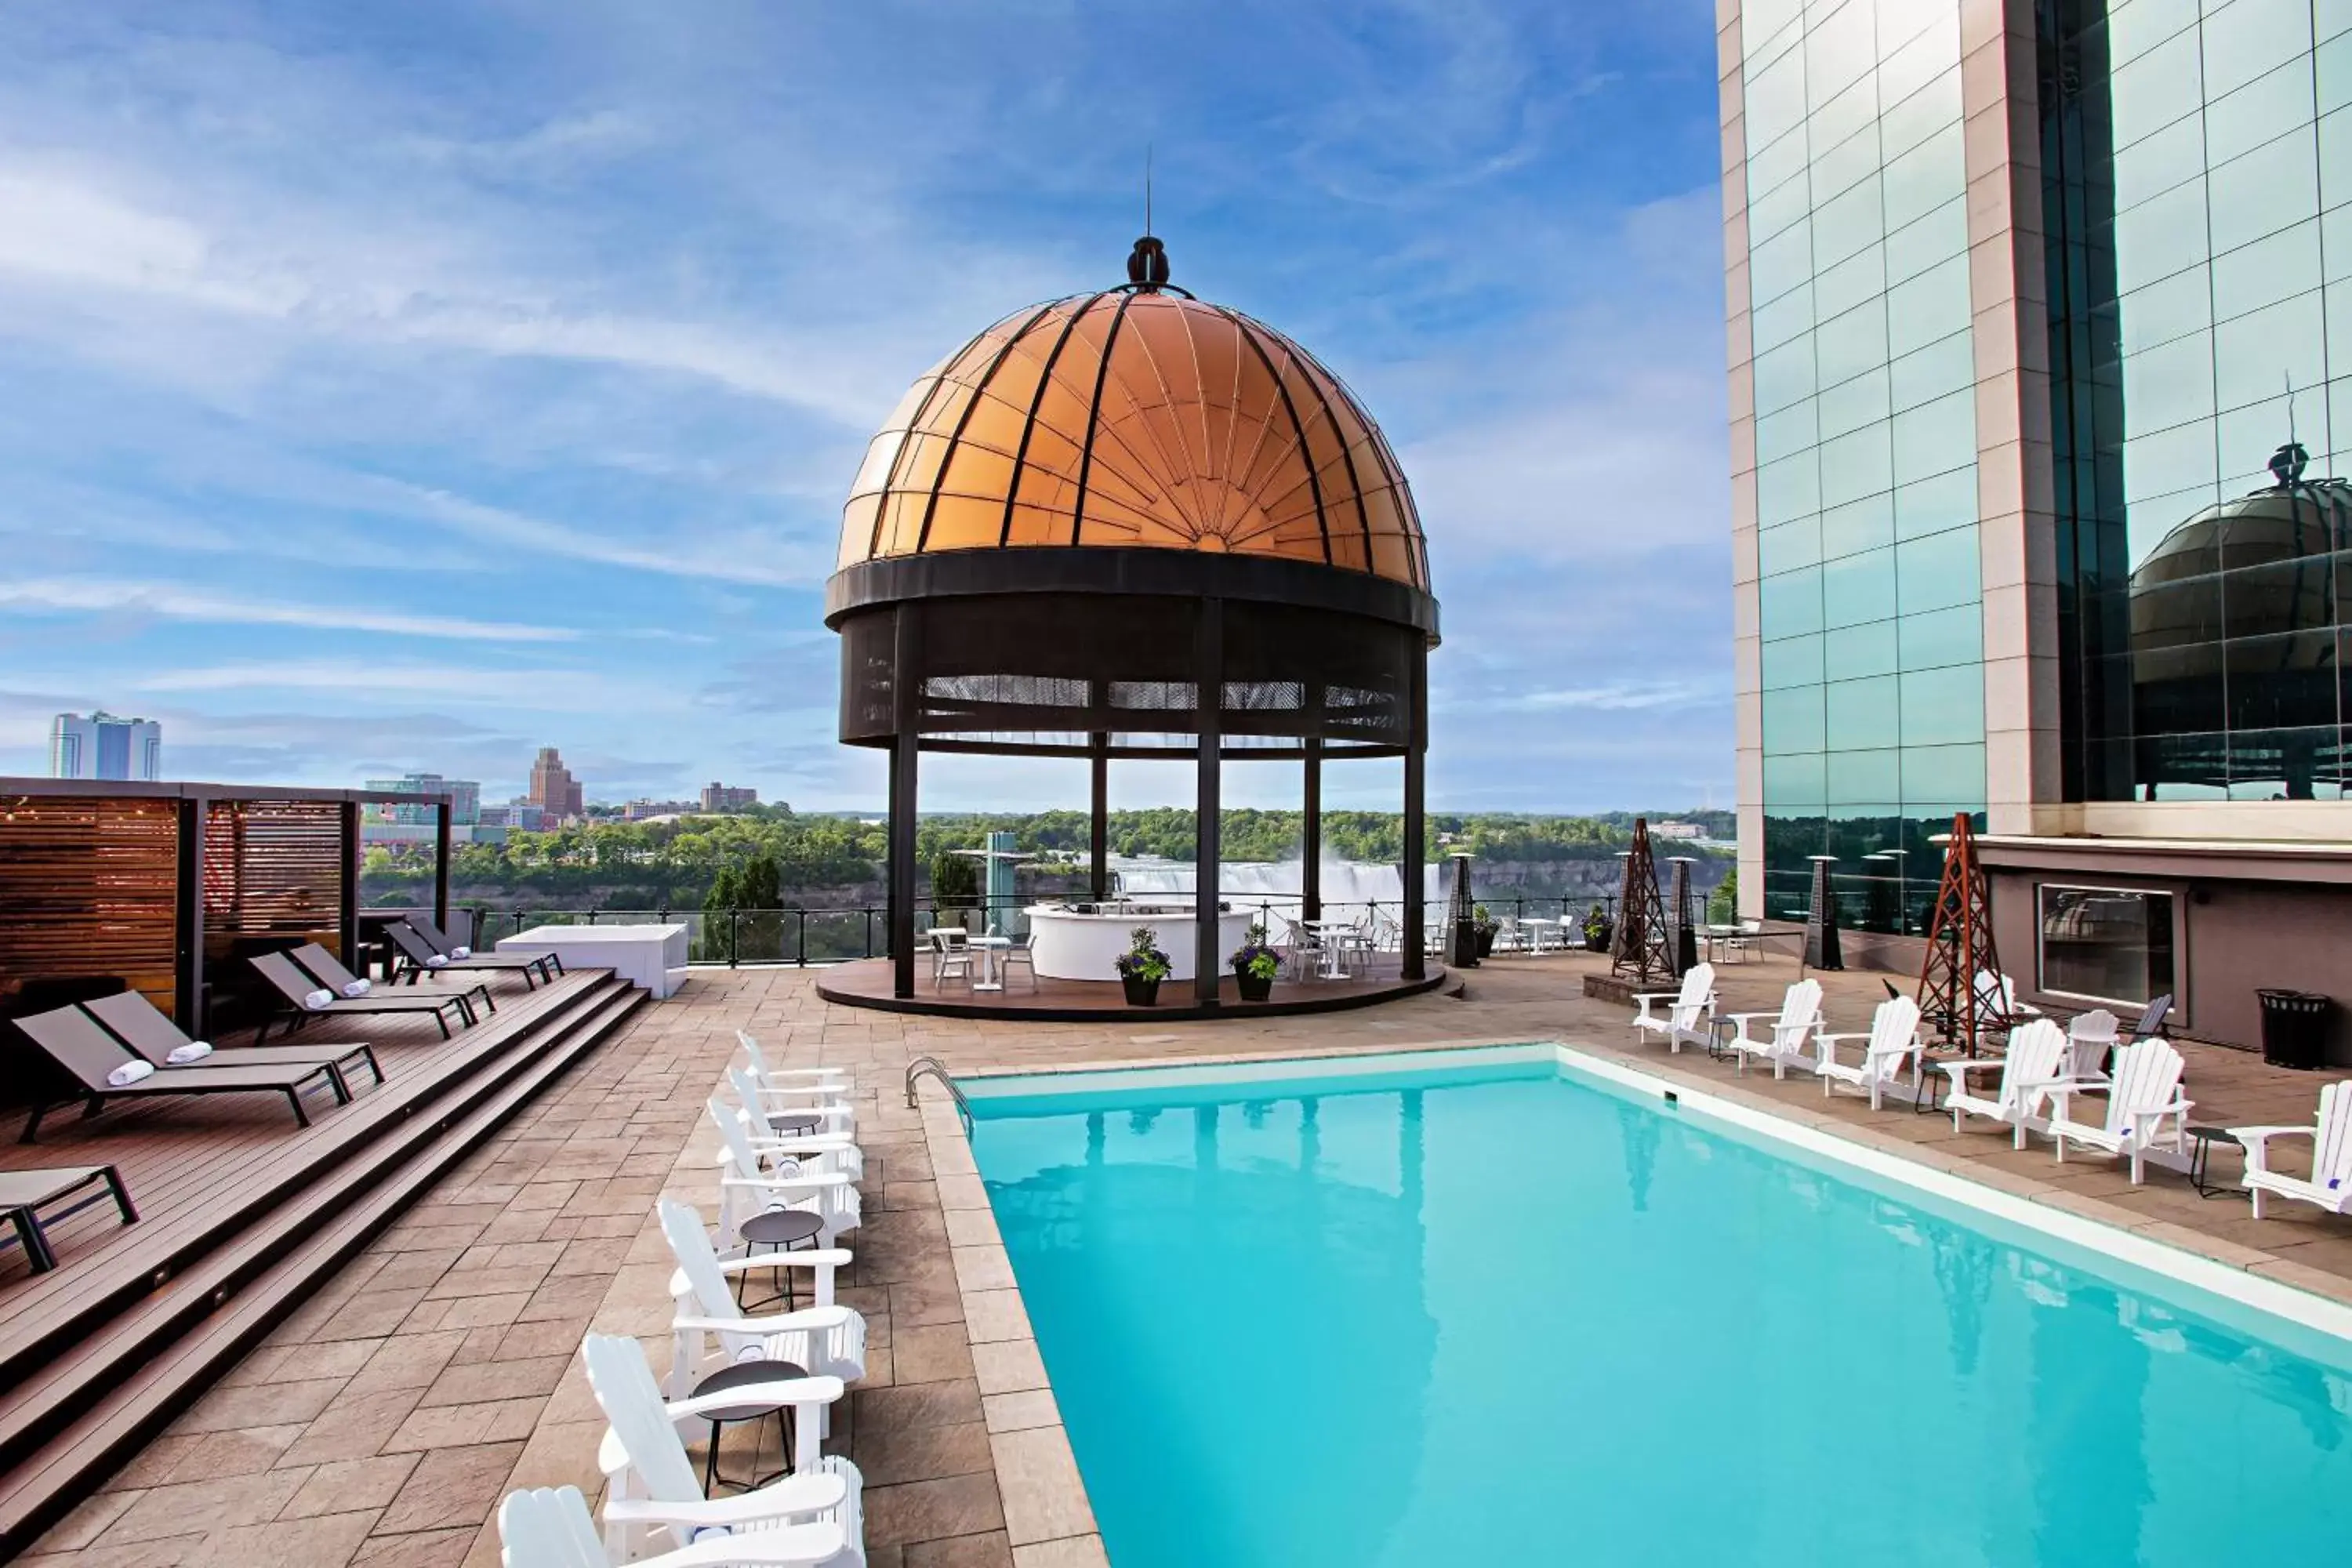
(527, 417)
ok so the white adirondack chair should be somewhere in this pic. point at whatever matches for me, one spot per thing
(1997, 1002)
(747, 1184)
(819, 1091)
(1689, 1015)
(825, 1148)
(826, 1340)
(2143, 1094)
(2036, 1059)
(550, 1528)
(652, 1496)
(1793, 1026)
(2089, 1038)
(1892, 1040)
(2330, 1186)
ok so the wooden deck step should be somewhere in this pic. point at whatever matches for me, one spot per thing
(88, 1385)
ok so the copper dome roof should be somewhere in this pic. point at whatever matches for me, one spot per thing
(1135, 417)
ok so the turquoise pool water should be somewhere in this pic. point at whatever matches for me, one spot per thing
(1514, 1315)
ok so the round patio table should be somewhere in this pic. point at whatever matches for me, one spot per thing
(794, 1123)
(781, 1229)
(743, 1375)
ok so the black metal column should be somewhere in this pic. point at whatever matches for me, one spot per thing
(347, 898)
(1416, 757)
(1098, 830)
(441, 870)
(1209, 686)
(188, 984)
(906, 683)
(1310, 835)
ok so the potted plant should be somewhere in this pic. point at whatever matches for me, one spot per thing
(1483, 923)
(1255, 964)
(1142, 967)
(1596, 929)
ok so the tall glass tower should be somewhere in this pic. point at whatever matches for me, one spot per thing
(2033, 307)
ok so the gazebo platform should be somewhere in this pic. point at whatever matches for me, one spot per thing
(866, 983)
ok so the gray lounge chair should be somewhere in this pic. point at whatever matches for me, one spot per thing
(24, 1194)
(132, 1019)
(73, 1039)
(420, 957)
(312, 959)
(293, 984)
(440, 940)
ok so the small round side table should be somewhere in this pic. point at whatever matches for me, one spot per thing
(781, 1229)
(744, 1375)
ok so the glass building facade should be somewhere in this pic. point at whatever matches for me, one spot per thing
(1868, 600)
(2197, 176)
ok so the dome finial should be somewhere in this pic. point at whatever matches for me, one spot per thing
(1147, 264)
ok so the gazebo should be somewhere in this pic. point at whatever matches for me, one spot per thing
(1133, 524)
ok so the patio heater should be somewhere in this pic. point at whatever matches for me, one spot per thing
(1460, 918)
(1821, 919)
(1685, 931)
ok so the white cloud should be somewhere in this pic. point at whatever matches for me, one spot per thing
(105, 595)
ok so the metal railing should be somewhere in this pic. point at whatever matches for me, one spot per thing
(803, 935)
(936, 1068)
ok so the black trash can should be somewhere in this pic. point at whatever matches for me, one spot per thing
(2295, 1027)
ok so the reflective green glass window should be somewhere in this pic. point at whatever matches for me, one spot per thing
(1854, 651)
(1936, 637)
(2159, 162)
(1862, 777)
(1788, 490)
(1792, 720)
(2255, 113)
(2263, 353)
(1944, 773)
(1839, 51)
(2329, 17)
(2335, 242)
(1944, 366)
(2159, 237)
(1921, 115)
(1943, 707)
(1907, 70)
(1918, 246)
(1774, 98)
(1860, 277)
(1900, 21)
(1926, 178)
(2176, 459)
(2332, 65)
(2139, 25)
(1790, 603)
(1780, 263)
(1785, 374)
(1855, 465)
(1865, 524)
(1782, 320)
(1938, 571)
(2335, 159)
(1794, 780)
(1851, 404)
(2246, 38)
(2180, 304)
(1791, 431)
(1843, 165)
(2244, 438)
(1852, 343)
(1785, 548)
(1773, 211)
(1932, 506)
(2158, 87)
(1936, 437)
(2169, 386)
(1933, 305)
(1856, 589)
(2271, 188)
(1864, 714)
(1768, 166)
(1851, 113)
(1791, 661)
(1845, 224)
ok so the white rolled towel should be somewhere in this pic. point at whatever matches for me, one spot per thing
(461, 952)
(130, 1073)
(317, 999)
(359, 988)
(436, 961)
(194, 1051)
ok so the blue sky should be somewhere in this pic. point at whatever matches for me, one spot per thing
(411, 386)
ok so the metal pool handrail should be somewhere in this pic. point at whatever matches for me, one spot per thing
(933, 1066)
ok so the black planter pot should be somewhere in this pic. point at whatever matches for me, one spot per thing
(1597, 943)
(1486, 944)
(1141, 993)
(1254, 987)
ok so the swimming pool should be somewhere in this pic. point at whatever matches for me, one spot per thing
(1456, 1308)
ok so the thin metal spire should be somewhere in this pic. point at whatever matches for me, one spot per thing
(1146, 187)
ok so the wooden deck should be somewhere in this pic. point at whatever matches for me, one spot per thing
(242, 1212)
(867, 984)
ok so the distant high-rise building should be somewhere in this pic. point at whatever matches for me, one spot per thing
(102, 746)
(727, 797)
(553, 788)
(464, 799)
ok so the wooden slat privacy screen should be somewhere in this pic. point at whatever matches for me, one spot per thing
(88, 888)
(273, 867)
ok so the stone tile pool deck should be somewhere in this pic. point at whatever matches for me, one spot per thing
(382, 1422)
